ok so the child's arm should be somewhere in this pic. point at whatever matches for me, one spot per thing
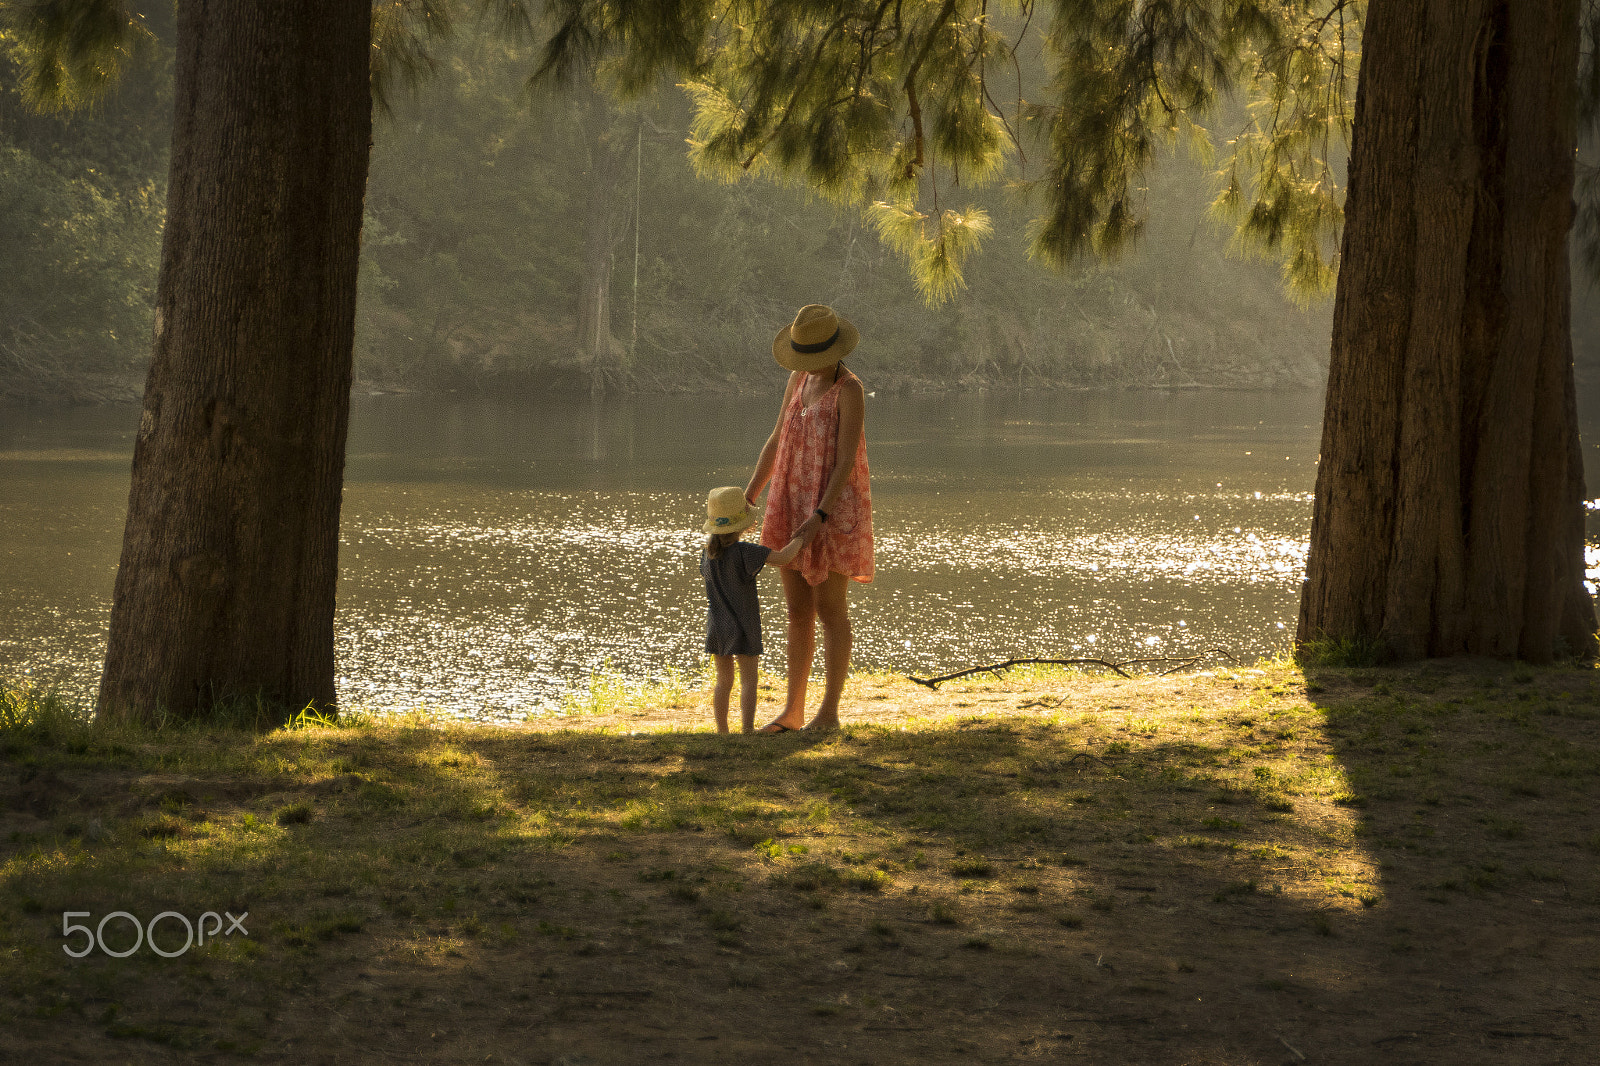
(787, 553)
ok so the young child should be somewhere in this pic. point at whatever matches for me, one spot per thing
(733, 617)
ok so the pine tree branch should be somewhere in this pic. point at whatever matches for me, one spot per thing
(794, 97)
(911, 83)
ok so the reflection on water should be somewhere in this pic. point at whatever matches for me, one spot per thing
(496, 553)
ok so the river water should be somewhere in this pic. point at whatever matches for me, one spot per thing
(497, 553)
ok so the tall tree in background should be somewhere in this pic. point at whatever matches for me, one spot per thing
(608, 152)
(225, 588)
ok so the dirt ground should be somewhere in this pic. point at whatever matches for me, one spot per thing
(1235, 867)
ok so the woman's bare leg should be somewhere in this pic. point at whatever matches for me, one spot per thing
(802, 602)
(834, 614)
(748, 668)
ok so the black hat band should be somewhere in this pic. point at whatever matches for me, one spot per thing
(813, 349)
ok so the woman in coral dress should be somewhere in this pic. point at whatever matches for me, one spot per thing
(816, 463)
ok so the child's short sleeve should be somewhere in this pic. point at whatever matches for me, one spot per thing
(754, 557)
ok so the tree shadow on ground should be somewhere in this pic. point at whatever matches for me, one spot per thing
(1352, 883)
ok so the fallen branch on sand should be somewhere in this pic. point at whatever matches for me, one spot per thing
(1182, 662)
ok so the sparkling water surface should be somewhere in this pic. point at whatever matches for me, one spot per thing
(495, 554)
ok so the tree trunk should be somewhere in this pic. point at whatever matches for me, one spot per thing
(1449, 503)
(229, 560)
(601, 350)
(595, 339)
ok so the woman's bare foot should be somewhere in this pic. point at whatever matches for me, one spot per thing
(822, 723)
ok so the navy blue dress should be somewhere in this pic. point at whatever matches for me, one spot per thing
(733, 613)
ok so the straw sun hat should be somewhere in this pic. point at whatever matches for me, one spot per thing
(727, 511)
(818, 337)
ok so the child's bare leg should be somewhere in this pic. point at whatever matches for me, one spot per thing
(749, 666)
(724, 687)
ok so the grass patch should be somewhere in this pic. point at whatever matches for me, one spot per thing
(413, 878)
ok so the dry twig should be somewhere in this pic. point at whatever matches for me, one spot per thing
(1183, 662)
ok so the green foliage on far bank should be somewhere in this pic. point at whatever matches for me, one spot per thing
(493, 219)
(564, 241)
(81, 210)
(486, 213)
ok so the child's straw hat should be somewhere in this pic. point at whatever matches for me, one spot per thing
(817, 338)
(727, 511)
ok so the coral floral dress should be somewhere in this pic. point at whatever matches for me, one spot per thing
(807, 442)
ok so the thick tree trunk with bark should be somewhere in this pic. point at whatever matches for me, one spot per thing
(229, 560)
(1449, 502)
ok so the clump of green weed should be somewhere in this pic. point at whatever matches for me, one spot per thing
(162, 826)
(1342, 651)
(29, 711)
(772, 851)
(867, 880)
(1223, 825)
(293, 813)
(971, 868)
(1230, 891)
(809, 877)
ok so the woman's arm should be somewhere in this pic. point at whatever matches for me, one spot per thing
(769, 451)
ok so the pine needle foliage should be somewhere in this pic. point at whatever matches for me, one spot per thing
(869, 103)
(860, 102)
(1281, 183)
(872, 102)
(403, 36)
(935, 256)
(76, 50)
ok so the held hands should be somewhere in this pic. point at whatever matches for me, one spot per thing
(809, 529)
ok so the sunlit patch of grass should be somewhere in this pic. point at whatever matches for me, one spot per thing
(41, 714)
(1018, 826)
(608, 692)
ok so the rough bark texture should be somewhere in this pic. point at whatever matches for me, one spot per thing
(1449, 503)
(229, 560)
